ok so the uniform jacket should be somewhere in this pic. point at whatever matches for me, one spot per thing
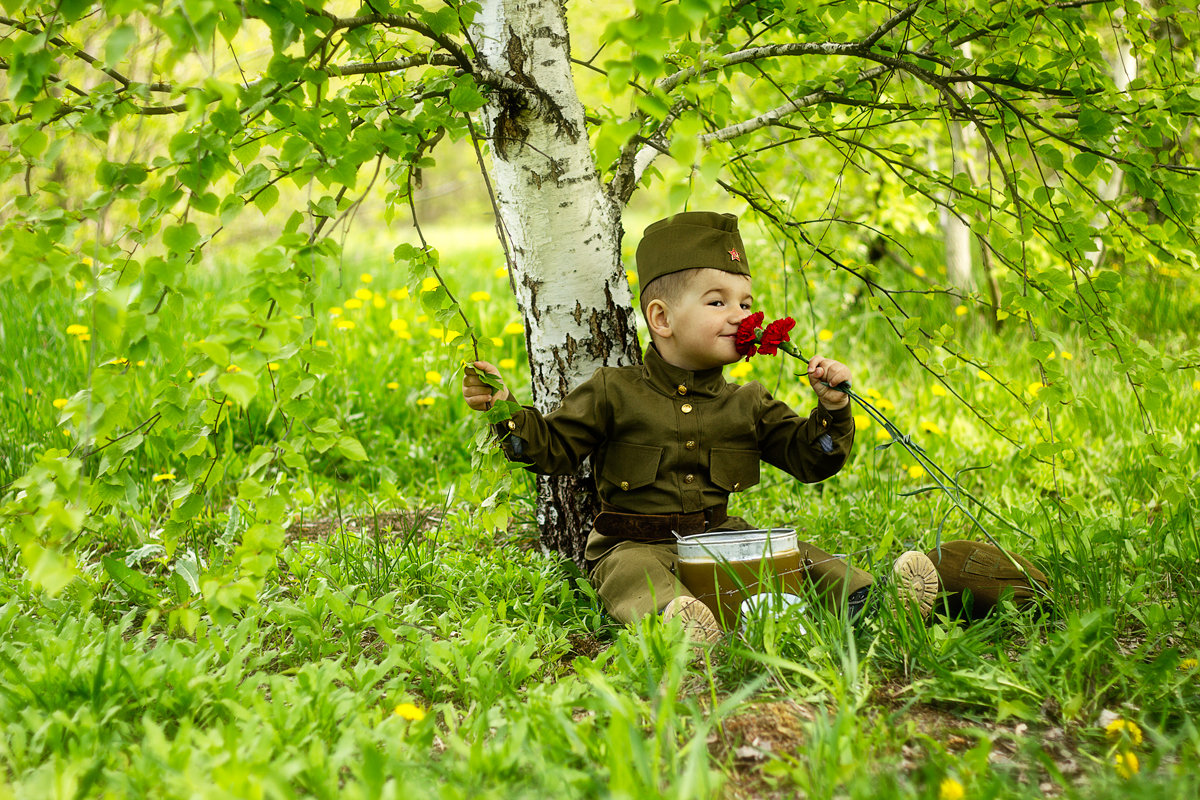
(666, 440)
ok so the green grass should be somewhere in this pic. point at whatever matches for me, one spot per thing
(393, 587)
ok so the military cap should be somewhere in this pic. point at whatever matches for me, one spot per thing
(691, 240)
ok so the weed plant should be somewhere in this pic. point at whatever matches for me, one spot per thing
(407, 640)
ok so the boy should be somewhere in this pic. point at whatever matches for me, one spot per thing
(671, 440)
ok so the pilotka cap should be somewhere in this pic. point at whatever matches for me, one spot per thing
(691, 240)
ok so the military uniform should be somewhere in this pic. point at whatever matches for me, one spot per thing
(669, 446)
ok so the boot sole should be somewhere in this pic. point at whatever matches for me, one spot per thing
(916, 580)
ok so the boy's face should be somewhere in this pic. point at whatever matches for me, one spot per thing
(703, 319)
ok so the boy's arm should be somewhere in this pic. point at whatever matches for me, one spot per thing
(479, 395)
(823, 375)
(816, 447)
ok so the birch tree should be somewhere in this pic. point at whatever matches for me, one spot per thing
(193, 113)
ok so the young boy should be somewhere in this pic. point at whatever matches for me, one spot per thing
(671, 440)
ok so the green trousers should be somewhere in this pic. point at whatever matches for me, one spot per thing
(634, 579)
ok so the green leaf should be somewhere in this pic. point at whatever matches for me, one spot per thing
(351, 448)
(240, 387)
(118, 44)
(132, 582)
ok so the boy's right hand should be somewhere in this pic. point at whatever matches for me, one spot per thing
(479, 395)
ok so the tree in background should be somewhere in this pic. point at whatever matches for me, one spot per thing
(138, 131)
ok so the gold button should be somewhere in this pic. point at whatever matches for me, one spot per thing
(824, 423)
(737, 487)
(689, 478)
(625, 485)
(686, 408)
(512, 426)
(690, 445)
(681, 389)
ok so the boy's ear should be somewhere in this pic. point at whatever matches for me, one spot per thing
(658, 319)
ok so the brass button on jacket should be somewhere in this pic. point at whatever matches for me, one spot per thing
(681, 389)
(689, 445)
(686, 408)
(689, 478)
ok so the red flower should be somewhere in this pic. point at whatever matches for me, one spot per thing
(776, 333)
(745, 341)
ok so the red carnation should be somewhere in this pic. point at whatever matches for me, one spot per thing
(775, 334)
(745, 341)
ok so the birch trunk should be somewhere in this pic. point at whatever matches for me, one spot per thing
(563, 231)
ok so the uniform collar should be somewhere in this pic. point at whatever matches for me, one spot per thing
(677, 382)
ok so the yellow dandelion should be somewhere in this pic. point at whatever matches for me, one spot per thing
(163, 476)
(406, 335)
(429, 284)
(1034, 388)
(410, 712)
(60, 403)
(1189, 663)
(508, 363)
(882, 435)
(233, 368)
(378, 300)
(421, 320)
(862, 421)
(1196, 386)
(931, 427)
(1126, 764)
(29, 391)
(513, 328)
(273, 367)
(1065, 355)
(916, 471)
(919, 272)
(939, 390)
(433, 377)
(398, 325)
(345, 325)
(85, 337)
(960, 311)
(874, 394)
(120, 362)
(480, 296)
(335, 311)
(501, 272)
(320, 343)
(950, 789)
(740, 369)
(393, 385)
(79, 285)
(366, 277)
(451, 336)
(398, 294)
(363, 294)
(631, 276)
(497, 341)
(141, 363)
(76, 330)
(190, 374)
(1120, 729)
(426, 401)
(886, 405)
(812, 285)
(825, 335)
(983, 376)
(437, 332)
(353, 304)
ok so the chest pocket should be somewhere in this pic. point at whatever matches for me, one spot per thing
(630, 466)
(734, 470)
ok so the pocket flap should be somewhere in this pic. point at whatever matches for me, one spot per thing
(734, 470)
(631, 466)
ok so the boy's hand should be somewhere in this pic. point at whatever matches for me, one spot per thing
(479, 395)
(823, 375)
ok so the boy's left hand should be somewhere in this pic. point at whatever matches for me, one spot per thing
(823, 375)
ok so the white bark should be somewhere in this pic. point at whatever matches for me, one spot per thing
(956, 234)
(564, 232)
(1124, 70)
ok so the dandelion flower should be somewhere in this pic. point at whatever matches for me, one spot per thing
(1034, 388)
(393, 385)
(163, 476)
(425, 401)
(363, 294)
(825, 335)
(950, 789)
(433, 377)
(429, 284)
(862, 421)
(480, 296)
(233, 368)
(85, 337)
(1196, 386)
(874, 394)
(421, 320)
(398, 294)
(398, 325)
(983, 376)
(938, 390)
(886, 405)
(1065, 355)
(451, 336)
(631, 276)
(508, 363)
(366, 277)
(1126, 764)
(931, 427)
(345, 325)
(740, 369)
(320, 343)
(437, 332)
(76, 330)
(29, 391)
(60, 403)
(882, 435)
(960, 311)
(919, 272)
(497, 341)
(404, 335)
(335, 311)
(79, 285)
(501, 272)
(273, 367)
(378, 300)
(353, 304)
(1189, 663)
(141, 363)
(1123, 729)
(916, 471)
(513, 328)
(410, 712)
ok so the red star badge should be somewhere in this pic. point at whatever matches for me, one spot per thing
(734, 255)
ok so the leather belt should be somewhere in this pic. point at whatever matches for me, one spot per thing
(656, 527)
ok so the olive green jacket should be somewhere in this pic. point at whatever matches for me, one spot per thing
(666, 440)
